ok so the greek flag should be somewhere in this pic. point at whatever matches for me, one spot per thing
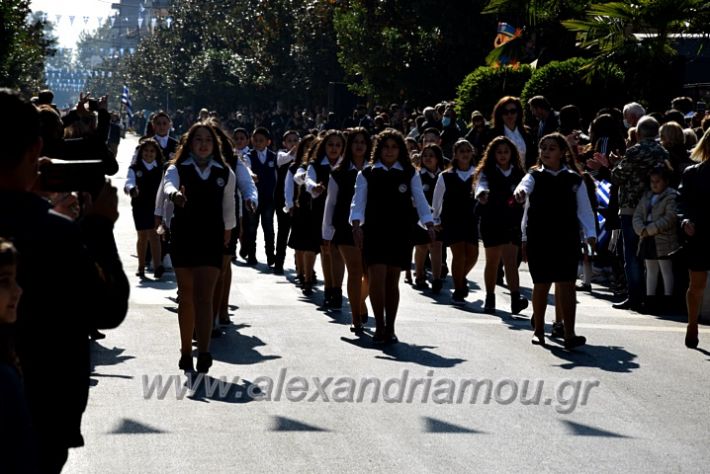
(603, 191)
(126, 101)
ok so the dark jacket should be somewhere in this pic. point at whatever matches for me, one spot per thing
(72, 280)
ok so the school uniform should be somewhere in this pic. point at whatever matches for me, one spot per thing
(263, 165)
(382, 203)
(557, 206)
(283, 219)
(197, 229)
(455, 207)
(305, 233)
(693, 205)
(245, 189)
(500, 217)
(168, 146)
(146, 177)
(421, 236)
(336, 224)
(318, 172)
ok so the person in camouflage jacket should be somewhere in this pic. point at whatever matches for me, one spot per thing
(631, 174)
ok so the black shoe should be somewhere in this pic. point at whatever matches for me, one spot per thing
(584, 287)
(159, 272)
(490, 306)
(691, 338)
(379, 338)
(357, 329)
(140, 274)
(538, 340)
(95, 335)
(204, 362)
(558, 330)
(627, 304)
(336, 299)
(517, 303)
(391, 339)
(186, 363)
(436, 286)
(575, 341)
(408, 277)
(421, 284)
(307, 289)
(251, 261)
(270, 261)
(244, 253)
(278, 269)
(457, 298)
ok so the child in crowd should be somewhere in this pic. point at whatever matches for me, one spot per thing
(303, 240)
(380, 216)
(284, 158)
(326, 156)
(497, 175)
(337, 233)
(262, 162)
(454, 207)
(655, 222)
(557, 205)
(144, 177)
(161, 127)
(432, 160)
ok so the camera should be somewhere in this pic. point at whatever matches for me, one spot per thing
(67, 176)
(93, 105)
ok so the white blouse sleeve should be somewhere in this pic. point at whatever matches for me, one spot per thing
(288, 191)
(359, 202)
(172, 181)
(328, 230)
(482, 186)
(420, 201)
(438, 199)
(300, 177)
(312, 182)
(229, 212)
(585, 213)
(130, 181)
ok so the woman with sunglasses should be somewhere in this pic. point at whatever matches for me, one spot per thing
(508, 122)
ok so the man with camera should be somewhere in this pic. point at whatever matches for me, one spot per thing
(72, 280)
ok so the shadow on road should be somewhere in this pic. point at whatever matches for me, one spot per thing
(607, 358)
(404, 352)
(235, 348)
(103, 356)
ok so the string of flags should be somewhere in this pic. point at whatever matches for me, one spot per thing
(85, 22)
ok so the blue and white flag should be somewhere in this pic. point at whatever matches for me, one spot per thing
(603, 192)
(126, 101)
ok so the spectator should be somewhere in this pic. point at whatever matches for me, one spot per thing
(546, 118)
(631, 175)
(72, 280)
(633, 112)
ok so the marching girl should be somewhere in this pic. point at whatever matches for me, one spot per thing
(201, 185)
(454, 207)
(337, 233)
(245, 191)
(497, 175)
(144, 177)
(557, 205)
(326, 156)
(302, 240)
(432, 160)
(380, 215)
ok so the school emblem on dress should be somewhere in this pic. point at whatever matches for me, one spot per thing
(271, 164)
(425, 187)
(403, 188)
(139, 174)
(220, 182)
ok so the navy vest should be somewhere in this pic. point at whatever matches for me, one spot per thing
(266, 173)
(346, 189)
(203, 209)
(459, 202)
(552, 213)
(501, 205)
(389, 200)
(147, 182)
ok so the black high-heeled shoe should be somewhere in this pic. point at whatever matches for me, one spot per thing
(186, 363)
(204, 362)
(691, 339)
(575, 341)
(538, 340)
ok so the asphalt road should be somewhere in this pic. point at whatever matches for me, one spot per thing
(634, 399)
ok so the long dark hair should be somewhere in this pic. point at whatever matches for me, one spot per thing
(145, 143)
(183, 153)
(488, 161)
(392, 134)
(303, 148)
(568, 158)
(319, 151)
(350, 138)
(436, 149)
(499, 108)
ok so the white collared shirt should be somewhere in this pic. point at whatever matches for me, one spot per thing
(517, 138)
(131, 178)
(437, 202)
(312, 176)
(585, 214)
(163, 141)
(172, 186)
(290, 186)
(359, 202)
(283, 157)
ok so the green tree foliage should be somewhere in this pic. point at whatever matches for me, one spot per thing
(397, 49)
(23, 46)
(481, 89)
(640, 37)
(564, 83)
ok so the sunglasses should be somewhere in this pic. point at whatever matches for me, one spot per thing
(510, 111)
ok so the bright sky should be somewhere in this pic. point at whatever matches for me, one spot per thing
(68, 33)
